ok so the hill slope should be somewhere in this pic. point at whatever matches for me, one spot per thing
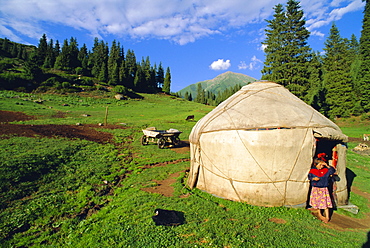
(219, 83)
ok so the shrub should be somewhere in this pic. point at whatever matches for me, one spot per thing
(66, 85)
(365, 117)
(50, 81)
(120, 89)
(87, 81)
(5, 64)
(79, 70)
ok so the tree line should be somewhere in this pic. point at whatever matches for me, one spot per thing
(210, 98)
(108, 65)
(335, 82)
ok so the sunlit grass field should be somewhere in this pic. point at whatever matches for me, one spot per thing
(77, 193)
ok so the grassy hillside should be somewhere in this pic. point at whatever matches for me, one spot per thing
(64, 192)
(219, 83)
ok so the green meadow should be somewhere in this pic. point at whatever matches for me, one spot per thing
(58, 192)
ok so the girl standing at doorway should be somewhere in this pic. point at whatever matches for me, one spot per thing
(320, 197)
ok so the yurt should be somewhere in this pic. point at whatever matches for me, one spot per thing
(258, 147)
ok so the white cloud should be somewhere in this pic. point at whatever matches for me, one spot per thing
(262, 47)
(317, 33)
(321, 13)
(181, 21)
(220, 65)
(254, 64)
(242, 65)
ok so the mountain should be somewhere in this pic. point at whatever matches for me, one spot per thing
(219, 83)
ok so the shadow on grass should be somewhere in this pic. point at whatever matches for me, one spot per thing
(367, 244)
(350, 176)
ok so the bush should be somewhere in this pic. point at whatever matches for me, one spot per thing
(50, 81)
(87, 81)
(365, 117)
(66, 85)
(5, 64)
(120, 89)
(11, 81)
(79, 71)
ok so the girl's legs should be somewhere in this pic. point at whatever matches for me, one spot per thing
(319, 214)
(325, 217)
(326, 211)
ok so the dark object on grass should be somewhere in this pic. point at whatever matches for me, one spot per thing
(168, 217)
(190, 118)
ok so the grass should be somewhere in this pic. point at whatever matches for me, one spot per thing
(63, 193)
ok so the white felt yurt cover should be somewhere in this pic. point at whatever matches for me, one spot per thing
(258, 146)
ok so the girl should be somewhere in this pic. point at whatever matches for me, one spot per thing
(320, 197)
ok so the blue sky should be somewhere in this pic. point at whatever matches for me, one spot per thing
(197, 39)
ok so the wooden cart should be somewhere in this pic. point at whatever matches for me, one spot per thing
(161, 137)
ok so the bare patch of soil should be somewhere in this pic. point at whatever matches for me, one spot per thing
(358, 140)
(164, 187)
(87, 132)
(341, 222)
(277, 220)
(165, 163)
(183, 148)
(9, 116)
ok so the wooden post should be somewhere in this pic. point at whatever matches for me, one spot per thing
(106, 117)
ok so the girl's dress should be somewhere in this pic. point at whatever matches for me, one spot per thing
(320, 196)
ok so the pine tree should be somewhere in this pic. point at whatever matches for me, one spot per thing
(5, 45)
(160, 76)
(139, 81)
(316, 91)
(123, 74)
(98, 56)
(354, 52)
(61, 61)
(114, 75)
(200, 98)
(274, 44)
(14, 50)
(68, 57)
(337, 76)
(83, 58)
(167, 82)
(145, 67)
(56, 49)
(152, 84)
(114, 61)
(130, 67)
(32, 68)
(122, 71)
(287, 51)
(73, 50)
(20, 52)
(42, 49)
(103, 75)
(364, 70)
(50, 55)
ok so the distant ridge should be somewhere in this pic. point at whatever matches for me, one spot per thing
(219, 83)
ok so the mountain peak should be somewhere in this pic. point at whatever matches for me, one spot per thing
(220, 83)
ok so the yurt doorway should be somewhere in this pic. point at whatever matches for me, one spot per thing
(327, 149)
(334, 153)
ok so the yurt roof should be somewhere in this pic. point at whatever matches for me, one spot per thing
(266, 105)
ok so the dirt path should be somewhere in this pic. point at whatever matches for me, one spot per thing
(164, 187)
